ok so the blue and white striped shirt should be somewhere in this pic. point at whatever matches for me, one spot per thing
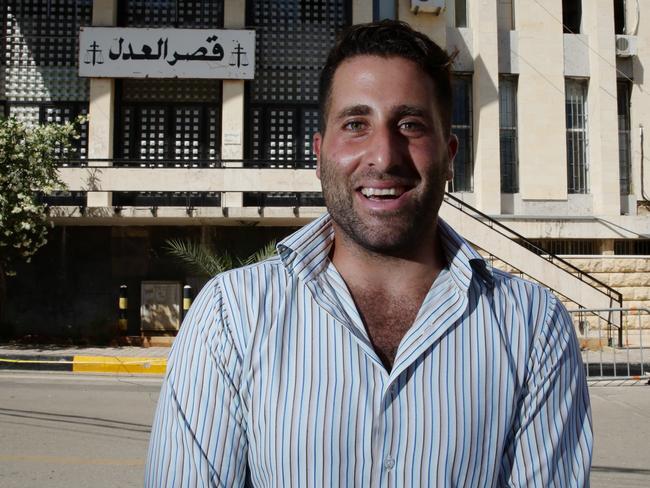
(273, 381)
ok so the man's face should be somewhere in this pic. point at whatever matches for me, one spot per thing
(385, 157)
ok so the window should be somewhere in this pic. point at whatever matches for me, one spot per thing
(39, 48)
(461, 126)
(571, 16)
(460, 12)
(563, 247)
(624, 144)
(293, 39)
(508, 134)
(171, 13)
(64, 112)
(576, 136)
(169, 121)
(505, 15)
(619, 16)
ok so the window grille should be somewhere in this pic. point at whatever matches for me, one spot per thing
(461, 126)
(41, 43)
(293, 39)
(560, 247)
(624, 140)
(508, 134)
(171, 13)
(571, 16)
(64, 112)
(505, 15)
(170, 122)
(634, 247)
(169, 119)
(172, 134)
(576, 136)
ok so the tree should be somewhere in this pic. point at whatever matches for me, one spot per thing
(28, 169)
(206, 262)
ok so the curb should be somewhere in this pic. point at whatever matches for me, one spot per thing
(85, 364)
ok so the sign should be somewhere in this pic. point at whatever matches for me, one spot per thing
(118, 52)
(160, 306)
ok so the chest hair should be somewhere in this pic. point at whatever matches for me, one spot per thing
(387, 319)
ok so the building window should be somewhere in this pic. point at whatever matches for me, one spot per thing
(192, 14)
(635, 247)
(62, 113)
(169, 119)
(571, 16)
(460, 12)
(39, 52)
(576, 136)
(505, 15)
(508, 134)
(566, 247)
(461, 126)
(293, 39)
(619, 16)
(169, 122)
(624, 142)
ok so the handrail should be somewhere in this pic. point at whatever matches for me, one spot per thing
(532, 247)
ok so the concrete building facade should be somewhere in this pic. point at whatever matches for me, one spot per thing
(550, 109)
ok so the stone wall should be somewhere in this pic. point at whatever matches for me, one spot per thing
(629, 275)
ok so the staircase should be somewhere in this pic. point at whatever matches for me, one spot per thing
(537, 264)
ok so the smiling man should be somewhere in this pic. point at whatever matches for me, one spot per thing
(377, 348)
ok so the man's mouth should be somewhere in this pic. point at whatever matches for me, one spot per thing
(382, 193)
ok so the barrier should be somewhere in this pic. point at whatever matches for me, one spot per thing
(611, 351)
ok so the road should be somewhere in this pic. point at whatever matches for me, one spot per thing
(67, 430)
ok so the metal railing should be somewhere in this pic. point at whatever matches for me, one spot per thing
(495, 225)
(611, 352)
(186, 163)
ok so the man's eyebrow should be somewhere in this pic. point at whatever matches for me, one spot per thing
(353, 110)
(402, 110)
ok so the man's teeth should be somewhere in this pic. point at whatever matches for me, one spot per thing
(380, 192)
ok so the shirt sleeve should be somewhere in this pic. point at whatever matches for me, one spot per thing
(551, 442)
(198, 433)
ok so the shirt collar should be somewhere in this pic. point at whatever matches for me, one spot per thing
(305, 253)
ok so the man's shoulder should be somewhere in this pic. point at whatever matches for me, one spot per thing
(524, 294)
(254, 274)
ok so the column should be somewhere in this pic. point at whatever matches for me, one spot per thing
(101, 110)
(232, 108)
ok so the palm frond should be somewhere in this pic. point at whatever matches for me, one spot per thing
(198, 257)
(264, 253)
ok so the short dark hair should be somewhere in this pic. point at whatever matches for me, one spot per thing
(389, 38)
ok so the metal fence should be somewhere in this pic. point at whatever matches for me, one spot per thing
(610, 351)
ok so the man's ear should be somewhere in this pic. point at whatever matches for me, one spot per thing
(318, 139)
(452, 150)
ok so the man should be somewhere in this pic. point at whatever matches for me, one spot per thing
(377, 348)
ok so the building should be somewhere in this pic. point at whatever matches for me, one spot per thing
(550, 109)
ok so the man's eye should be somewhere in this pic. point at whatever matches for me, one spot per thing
(353, 125)
(411, 126)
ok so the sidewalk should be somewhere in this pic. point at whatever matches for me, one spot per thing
(127, 359)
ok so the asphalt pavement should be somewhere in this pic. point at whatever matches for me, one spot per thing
(62, 429)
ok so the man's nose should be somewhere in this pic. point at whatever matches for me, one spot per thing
(385, 148)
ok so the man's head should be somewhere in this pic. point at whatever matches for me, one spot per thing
(387, 150)
(389, 38)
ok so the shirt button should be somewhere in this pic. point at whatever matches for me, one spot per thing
(389, 463)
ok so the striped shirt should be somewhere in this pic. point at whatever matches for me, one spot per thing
(273, 382)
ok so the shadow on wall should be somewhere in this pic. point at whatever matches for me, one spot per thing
(70, 291)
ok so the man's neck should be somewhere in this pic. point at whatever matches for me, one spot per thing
(393, 275)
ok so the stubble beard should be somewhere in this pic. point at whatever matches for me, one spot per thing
(395, 233)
